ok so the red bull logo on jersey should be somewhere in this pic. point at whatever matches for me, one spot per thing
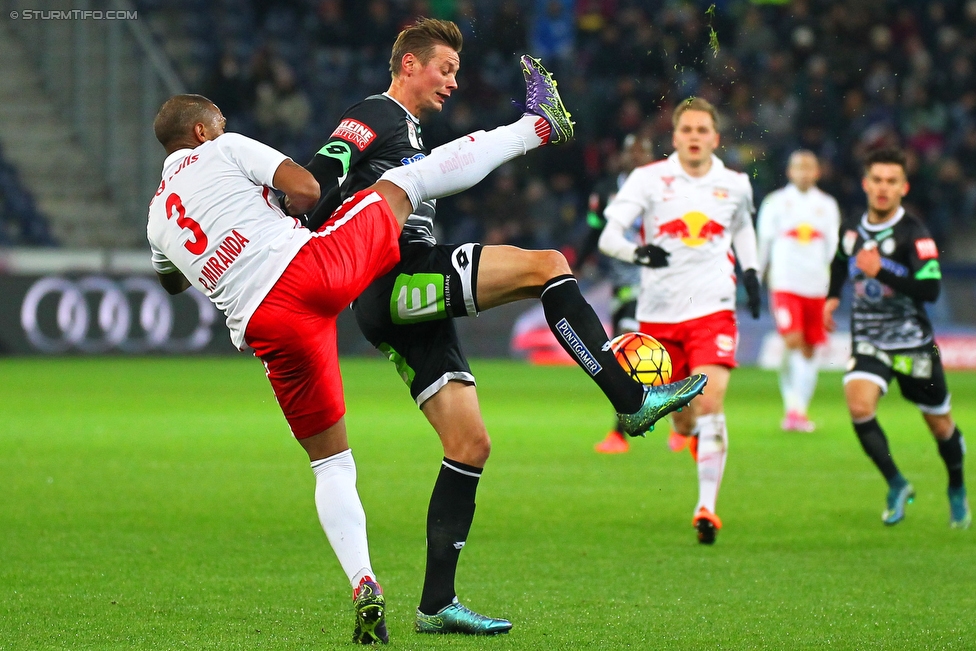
(693, 229)
(804, 234)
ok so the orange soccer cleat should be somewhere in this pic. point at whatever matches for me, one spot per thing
(707, 525)
(678, 442)
(614, 443)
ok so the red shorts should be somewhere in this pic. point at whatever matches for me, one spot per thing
(293, 331)
(794, 313)
(711, 339)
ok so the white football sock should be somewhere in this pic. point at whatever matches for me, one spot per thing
(462, 163)
(342, 515)
(713, 444)
(786, 382)
(804, 374)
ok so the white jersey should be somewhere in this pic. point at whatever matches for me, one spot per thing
(215, 219)
(798, 234)
(697, 221)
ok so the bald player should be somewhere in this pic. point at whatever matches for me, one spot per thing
(797, 230)
(215, 225)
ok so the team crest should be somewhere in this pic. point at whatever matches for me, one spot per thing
(720, 193)
(413, 136)
(888, 246)
(850, 239)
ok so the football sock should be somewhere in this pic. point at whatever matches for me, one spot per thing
(449, 518)
(875, 445)
(341, 514)
(461, 163)
(790, 401)
(803, 372)
(952, 451)
(579, 331)
(713, 445)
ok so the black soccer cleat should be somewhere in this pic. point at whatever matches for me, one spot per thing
(370, 605)
(707, 525)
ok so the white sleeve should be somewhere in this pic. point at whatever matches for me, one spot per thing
(766, 227)
(621, 213)
(258, 161)
(744, 235)
(832, 236)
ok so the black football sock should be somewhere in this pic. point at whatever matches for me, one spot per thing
(952, 451)
(875, 445)
(579, 331)
(449, 518)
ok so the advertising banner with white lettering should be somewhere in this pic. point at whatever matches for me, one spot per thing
(114, 314)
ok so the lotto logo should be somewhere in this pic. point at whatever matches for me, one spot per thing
(355, 132)
(926, 249)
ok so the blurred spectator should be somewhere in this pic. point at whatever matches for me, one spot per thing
(837, 77)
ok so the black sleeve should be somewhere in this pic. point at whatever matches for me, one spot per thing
(925, 276)
(362, 129)
(838, 275)
(921, 290)
(838, 267)
(327, 172)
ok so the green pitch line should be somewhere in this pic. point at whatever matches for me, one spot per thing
(161, 504)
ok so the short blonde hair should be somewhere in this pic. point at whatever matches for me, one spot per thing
(695, 104)
(421, 38)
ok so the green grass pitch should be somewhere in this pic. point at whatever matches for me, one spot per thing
(161, 504)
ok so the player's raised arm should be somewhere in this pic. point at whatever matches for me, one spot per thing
(630, 203)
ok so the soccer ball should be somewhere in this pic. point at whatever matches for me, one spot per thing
(643, 357)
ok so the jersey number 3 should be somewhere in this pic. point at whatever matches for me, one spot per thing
(198, 244)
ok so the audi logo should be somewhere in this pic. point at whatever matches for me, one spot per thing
(95, 314)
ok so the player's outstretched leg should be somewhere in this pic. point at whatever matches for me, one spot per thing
(455, 618)
(660, 401)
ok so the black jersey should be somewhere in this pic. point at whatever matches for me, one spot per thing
(373, 136)
(886, 317)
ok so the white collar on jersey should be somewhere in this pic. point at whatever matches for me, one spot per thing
(791, 187)
(717, 166)
(412, 116)
(888, 223)
(177, 155)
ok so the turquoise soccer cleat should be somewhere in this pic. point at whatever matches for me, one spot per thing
(370, 605)
(897, 499)
(542, 99)
(659, 401)
(455, 618)
(960, 517)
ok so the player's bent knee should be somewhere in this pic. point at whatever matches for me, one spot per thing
(860, 411)
(551, 264)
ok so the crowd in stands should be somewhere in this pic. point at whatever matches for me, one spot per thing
(837, 77)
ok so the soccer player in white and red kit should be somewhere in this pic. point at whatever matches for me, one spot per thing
(694, 211)
(797, 230)
(215, 225)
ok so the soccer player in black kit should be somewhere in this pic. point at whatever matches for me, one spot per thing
(407, 314)
(893, 264)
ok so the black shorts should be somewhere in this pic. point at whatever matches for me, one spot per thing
(919, 372)
(408, 314)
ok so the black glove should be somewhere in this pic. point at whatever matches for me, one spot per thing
(751, 283)
(650, 255)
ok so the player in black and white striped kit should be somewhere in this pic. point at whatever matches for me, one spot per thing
(893, 264)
